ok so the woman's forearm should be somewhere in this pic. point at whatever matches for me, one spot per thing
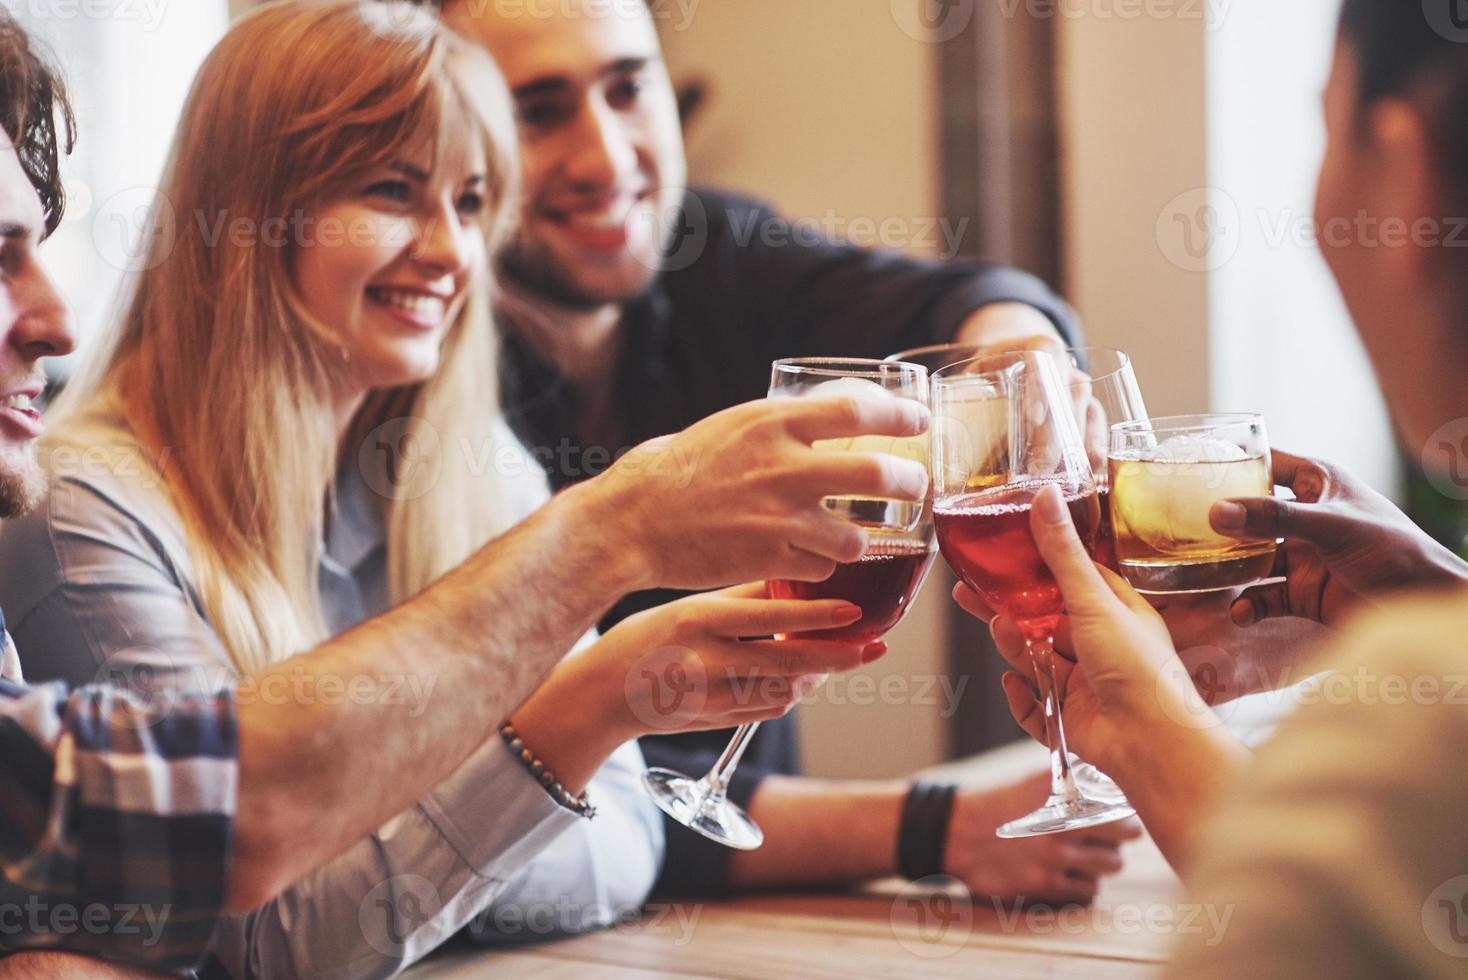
(1177, 783)
(472, 647)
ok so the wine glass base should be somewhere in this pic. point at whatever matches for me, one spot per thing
(1095, 784)
(1059, 815)
(692, 803)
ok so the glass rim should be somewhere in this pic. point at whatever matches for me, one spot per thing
(942, 375)
(1123, 358)
(1198, 422)
(845, 367)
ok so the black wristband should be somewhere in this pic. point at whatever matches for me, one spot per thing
(922, 835)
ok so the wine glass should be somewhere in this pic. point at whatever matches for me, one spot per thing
(1166, 475)
(1004, 428)
(882, 583)
(1103, 391)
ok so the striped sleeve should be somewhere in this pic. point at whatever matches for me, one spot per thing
(115, 820)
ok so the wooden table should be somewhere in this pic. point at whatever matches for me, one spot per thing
(888, 930)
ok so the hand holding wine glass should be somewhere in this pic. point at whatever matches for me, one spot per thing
(1120, 644)
(739, 496)
(1130, 704)
(882, 582)
(1005, 431)
(685, 666)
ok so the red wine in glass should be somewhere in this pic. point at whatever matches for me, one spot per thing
(985, 536)
(1105, 550)
(882, 584)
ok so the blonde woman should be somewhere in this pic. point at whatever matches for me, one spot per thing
(294, 427)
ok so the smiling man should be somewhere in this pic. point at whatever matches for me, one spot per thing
(635, 305)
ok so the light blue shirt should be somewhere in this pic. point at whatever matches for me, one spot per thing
(98, 583)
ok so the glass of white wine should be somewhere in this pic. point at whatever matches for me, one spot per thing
(801, 377)
(1166, 475)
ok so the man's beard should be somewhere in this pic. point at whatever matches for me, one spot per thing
(534, 270)
(22, 481)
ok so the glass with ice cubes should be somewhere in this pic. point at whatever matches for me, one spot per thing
(830, 377)
(1166, 475)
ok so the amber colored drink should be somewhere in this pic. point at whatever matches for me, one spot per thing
(1163, 539)
(986, 538)
(883, 584)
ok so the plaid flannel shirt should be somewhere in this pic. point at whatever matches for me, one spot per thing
(115, 819)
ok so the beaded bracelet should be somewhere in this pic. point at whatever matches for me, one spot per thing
(546, 778)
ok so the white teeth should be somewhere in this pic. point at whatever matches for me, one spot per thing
(21, 402)
(419, 304)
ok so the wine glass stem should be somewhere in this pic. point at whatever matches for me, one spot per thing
(718, 777)
(1042, 657)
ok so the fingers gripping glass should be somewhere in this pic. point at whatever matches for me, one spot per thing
(1005, 428)
(1103, 390)
(883, 583)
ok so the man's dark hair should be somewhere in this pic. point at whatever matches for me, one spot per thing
(1419, 51)
(35, 114)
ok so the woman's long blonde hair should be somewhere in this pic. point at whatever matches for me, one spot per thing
(215, 358)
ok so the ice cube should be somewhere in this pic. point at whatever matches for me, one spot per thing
(846, 388)
(855, 388)
(1196, 448)
(1166, 504)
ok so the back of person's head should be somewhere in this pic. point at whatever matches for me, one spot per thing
(216, 357)
(35, 115)
(1417, 51)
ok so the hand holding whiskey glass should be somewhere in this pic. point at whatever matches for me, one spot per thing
(1166, 475)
